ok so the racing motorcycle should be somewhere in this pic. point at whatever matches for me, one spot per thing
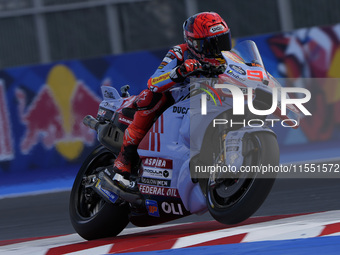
(165, 184)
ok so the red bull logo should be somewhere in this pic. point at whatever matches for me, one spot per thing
(54, 118)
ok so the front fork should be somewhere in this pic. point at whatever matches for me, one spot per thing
(237, 148)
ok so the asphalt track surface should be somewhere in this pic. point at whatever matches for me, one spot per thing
(47, 214)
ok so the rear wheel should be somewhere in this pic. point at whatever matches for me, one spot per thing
(90, 215)
(234, 199)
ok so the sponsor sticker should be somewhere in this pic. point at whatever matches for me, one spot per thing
(238, 69)
(167, 60)
(157, 172)
(236, 76)
(110, 195)
(124, 120)
(158, 191)
(157, 182)
(216, 29)
(157, 162)
(232, 148)
(161, 78)
(109, 94)
(180, 109)
(233, 141)
(152, 207)
(101, 112)
(172, 208)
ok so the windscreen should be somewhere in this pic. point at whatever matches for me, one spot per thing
(247, 50)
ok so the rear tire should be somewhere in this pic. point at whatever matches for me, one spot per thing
(247, 194)
(90, 215)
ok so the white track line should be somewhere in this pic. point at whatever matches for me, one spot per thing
(136, 230)
(283, 227)
(104, 249)
(39, 247)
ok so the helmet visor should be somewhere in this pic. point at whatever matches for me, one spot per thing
(212, 46)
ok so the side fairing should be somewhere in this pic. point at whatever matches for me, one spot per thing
(165, 153)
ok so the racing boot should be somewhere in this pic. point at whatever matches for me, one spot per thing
(128, 157)
(123, 162)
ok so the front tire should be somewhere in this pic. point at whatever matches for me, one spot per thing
(236, 199)
(90, 215)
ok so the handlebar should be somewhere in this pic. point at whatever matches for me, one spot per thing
(91, 122)
(208, 70)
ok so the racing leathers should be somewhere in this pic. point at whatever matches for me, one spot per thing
(152, 102)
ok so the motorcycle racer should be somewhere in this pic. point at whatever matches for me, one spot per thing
(206, 34)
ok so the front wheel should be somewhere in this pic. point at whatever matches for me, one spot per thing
(233, 200)
(90, 215)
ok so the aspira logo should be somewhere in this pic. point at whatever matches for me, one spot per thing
(240, 95)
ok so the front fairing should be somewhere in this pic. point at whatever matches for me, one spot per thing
(245, 68)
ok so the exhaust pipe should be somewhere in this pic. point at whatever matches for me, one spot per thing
(108, 184)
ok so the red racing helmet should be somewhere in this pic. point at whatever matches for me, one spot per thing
(206, 35)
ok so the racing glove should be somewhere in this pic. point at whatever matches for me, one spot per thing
(180, 73)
